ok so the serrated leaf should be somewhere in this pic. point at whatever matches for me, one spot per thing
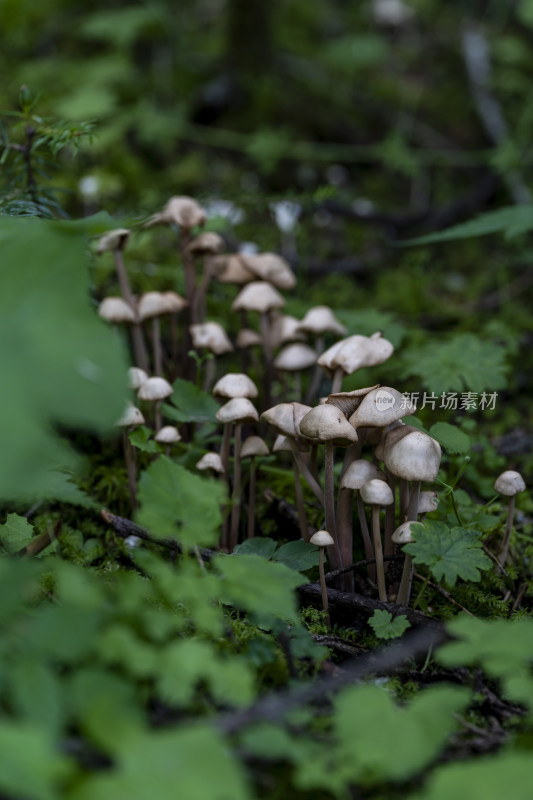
(450, 437)
(177, 504)
(297, 555)
(194, 404)
(257, 546)
(261, 587)
(15, 533)
(387, 627)
(192, 762)
(462, 363)
(48, 376)
(449, 553)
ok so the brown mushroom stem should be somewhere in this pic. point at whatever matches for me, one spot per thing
(158, 423)
(502, 556)
(129, 458)
(336, 384)
(345, 533)
(157, 349)
(251, 499)
(404, 500)
(404, 591)
(139, 345)
(306, 472)
(226, 443)
(300, 505)
(210, 370)
(264, 327)
(317, 373)
(414, 499)
(174, 347)
(323, 585)
(201, 293)
(236, 494)
(365, 533)
(334, 551)
(378, 551)
(390, 516)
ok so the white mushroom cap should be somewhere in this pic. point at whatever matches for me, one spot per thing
(168, 434)
(235, 384)
(113, 240)
(322, 539)
(155, 389)
(182, 211)
(258, 296)
(286, 417)
(211, 336)
(272, 268)
(509, 483)
(284, 328)
(131, 416)
(254, 446)
(381, 407)
(207, 242)
(174, 302)
(402, 534)
(355, 352)
(347, 402)
(377, 493)
(416, 457)
(136, 377)
(294, 357)
(248, 338)
(230, 269)
(210, 461)
(151, 304)
(360, 472)
(281, 444)
(238, 409)
(115, 309)
(428, 501)
(327, 424)
(321, 319)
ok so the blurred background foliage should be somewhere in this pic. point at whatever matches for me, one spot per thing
(378, 121)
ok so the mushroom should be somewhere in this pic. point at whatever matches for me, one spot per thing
(509, 483)
(318, 321)
(210, 461)
(155, 389)
(252, 447)
(168, 435)
(295, 358)
(349, 355)
(378, 493)
(323, 539)
(130, 419)
(136, 377)
(207, 243)
(272, 268)
(415, 457)
(210, 336)
(153, 305)
(403, 535)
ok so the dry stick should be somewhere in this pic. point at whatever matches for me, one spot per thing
(139, 345)
(275, 706)
(236, 495)
(441, 591)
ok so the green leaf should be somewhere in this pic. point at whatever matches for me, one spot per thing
(194, 404)
(504, 775)
(387, 627)
(177, 504)
(261, 587)
(511, 221)
(462, 363)
(193, 762)
(297, 555)
(450, 437)
(50, 376)
(141, 438)
(15, 533)
(503, 648)
(30, 767)
(258, 546)
(449, 553)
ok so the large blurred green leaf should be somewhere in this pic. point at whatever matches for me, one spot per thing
(59, 362)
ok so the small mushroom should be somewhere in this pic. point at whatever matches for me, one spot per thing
(252, 447)
(168, 435)
(154, 390)
(130, 419)
(323, 539)
(378, 493)
(509, 483)
(403, 535)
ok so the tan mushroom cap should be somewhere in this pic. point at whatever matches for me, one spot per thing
(235, 384)
(509, 483)
(377, 493)
(281, 444)
(230, 269)
(131, 416)
(206, 243)
(258, 296)
(347, 402)
(210, 461)
(283, 329)
(210, 336)
(174, 301)
(182, 211)
(136, 377)
(152, 304)
(403, 534)
(428, 501)
(294, 357)
(360, 472)
(381, 407)
(322, 539)
(392, 434)
(168, 434)
(321, 319)
(238, 409)
(272, 268)
(285, 417)
(354, 352)
(327, 424)
(248, 338)
(416, 457)
(154, 389)
(254, 446)
(113, 240)
(115, 309)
